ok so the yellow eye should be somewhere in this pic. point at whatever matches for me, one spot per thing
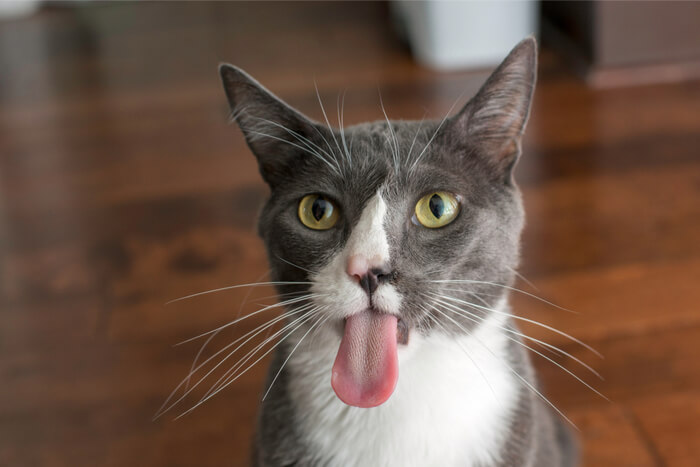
(317, 212)
(437, 209)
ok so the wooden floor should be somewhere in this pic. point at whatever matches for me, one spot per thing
(122, 187)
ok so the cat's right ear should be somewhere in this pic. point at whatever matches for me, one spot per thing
(273, 130)
(493, 121)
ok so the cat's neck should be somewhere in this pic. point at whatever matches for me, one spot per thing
(452, 405)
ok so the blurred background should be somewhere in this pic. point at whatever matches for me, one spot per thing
(123, 187)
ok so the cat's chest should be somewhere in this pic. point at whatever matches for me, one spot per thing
(451, 406)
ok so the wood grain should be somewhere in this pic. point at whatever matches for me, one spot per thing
(123, 187)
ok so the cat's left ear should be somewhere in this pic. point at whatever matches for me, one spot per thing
(493, 121)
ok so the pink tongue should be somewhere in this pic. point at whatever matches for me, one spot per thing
(367, 366)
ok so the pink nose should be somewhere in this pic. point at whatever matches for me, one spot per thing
(368, 274)
(357, 267)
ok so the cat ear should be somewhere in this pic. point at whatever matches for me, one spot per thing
(274, 131)
(492, 122)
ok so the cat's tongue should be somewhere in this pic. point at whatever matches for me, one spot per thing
(367, 366)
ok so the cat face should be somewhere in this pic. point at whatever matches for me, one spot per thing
(416, 220)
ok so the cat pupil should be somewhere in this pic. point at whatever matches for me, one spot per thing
(318, 209)
(437, 206)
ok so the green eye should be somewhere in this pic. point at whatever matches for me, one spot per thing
(317, 212)
(437, 209)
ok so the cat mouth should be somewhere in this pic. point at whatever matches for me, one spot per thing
(366, 368)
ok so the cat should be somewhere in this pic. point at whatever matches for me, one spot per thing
(403, 237)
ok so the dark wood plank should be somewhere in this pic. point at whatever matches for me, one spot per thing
(670, 421)
(610, 438)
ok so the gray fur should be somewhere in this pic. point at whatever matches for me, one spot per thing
(472, 154)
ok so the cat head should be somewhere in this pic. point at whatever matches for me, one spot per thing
(414, 224)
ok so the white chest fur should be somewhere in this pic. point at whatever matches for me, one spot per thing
(444, 412)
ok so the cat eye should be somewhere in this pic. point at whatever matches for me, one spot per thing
(317, 212)
(436, 209)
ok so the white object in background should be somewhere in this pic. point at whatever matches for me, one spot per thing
(17, 8)
(465, 34)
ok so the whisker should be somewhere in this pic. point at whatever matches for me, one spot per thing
(241, 361)
(235, 114)
(523, 335)
(517, 375)
(545, 347)
(312, 147)
(393, 144)
(282, 140)
(551, 348)
(323, 110)
(437, 130)
(523, 278)
(449, 307)
(254, 333)
(295, 265)
(479, 296)
(280, 295)
(231, 287)
(527, 320)
(231, 380)
(341, 118)
(483, 376)
(301, 138)
(290, 301)
(318, 322)
(250, 291)
(210, 338)
(496, 284)
(420, 125)
(330, 148)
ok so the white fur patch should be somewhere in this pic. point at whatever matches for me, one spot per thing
(338, 291)
(368, 237)
(444, 412)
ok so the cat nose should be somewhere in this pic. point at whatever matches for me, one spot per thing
(368, 277)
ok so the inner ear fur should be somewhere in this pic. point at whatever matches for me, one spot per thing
(493, 121)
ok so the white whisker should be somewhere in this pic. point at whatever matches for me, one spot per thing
(319, 321)
(282, 140)
(552, 348)
(523, 380)
(231, 287)
(312, 147)
(241, 361)
(469, 316)
(523, 278)
(449, 307)
(250, 335)
(483, 376)
(323, 110)
(437, 130)
(420, 125)
(210, 338)
(234, 378)
(496, 284)
(341, 118)
(295, 265)
(290, 301)
(527, 320)
(393, 142)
